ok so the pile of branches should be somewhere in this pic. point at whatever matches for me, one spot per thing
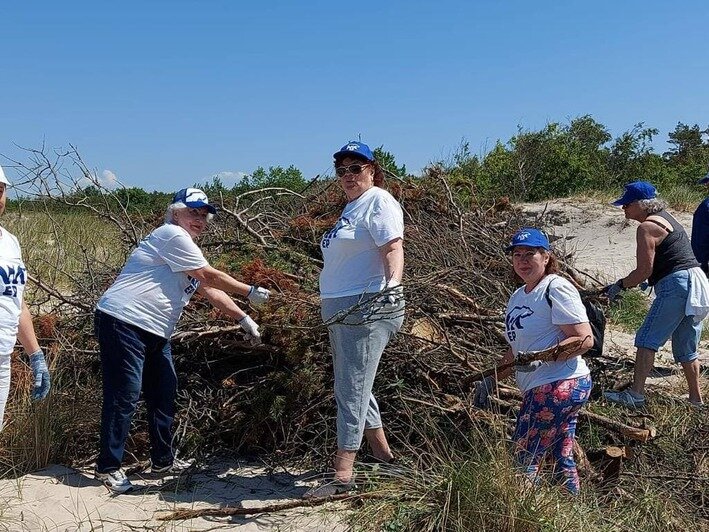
(277, 397)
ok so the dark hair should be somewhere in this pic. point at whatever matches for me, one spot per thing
(378, 171)
(552, 265)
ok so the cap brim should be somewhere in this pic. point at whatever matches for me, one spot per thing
(200, 204)
(353, 154)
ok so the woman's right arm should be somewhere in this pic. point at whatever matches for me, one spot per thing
(507, 359)
(210, 276)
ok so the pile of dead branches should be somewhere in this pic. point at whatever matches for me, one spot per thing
(277, 397)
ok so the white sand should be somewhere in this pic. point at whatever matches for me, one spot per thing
(59, 498)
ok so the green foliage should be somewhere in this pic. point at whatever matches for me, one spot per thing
(629, 311)
(388, 162)
(564, 159)
(277, 176)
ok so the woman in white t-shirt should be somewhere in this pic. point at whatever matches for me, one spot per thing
(15, 318)
(134, 320)
(545, 312)
(362, 304)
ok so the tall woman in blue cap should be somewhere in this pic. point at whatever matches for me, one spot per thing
(700, 230)
(134, 320)
(362, 304)
(664, 258)
(544, 312)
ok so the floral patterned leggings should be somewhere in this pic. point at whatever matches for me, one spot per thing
(547, 424)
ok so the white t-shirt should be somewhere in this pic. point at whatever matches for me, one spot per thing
(152, 289)
(532, 325)
(13, 278)
(350, 250)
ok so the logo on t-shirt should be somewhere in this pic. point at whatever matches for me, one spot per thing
(332, 233)
(194, 284)
(11, 276)
(513, 321)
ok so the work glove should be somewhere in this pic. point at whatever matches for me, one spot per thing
(528, 368)
(613, 290)
(258, 296)
(483, 389)
(251, 329)
(40, 375)
(390, 297)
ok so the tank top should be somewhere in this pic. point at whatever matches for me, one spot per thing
(674, 253)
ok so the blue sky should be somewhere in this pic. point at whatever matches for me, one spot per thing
(167, 93)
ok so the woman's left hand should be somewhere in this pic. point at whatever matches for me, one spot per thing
(40, 375)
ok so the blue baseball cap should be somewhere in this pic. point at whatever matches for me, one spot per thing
(529, 236)
(704, 180)
(194, 198)
(637, 190)
(356, 149)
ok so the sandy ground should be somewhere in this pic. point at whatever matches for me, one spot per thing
(59, 498)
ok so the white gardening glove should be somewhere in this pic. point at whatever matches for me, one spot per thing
(529, 366)
(258, 296)
(251, 329)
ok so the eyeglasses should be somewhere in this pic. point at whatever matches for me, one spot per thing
(353, 169)
(526, 256)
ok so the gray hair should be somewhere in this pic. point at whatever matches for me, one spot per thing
(652, 206)
(170, 212)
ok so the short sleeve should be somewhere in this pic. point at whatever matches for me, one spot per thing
(181, 254)
(386, 220)
(566, 305)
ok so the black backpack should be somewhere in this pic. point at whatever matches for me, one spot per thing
(596, 319)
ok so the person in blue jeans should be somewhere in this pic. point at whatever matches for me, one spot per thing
(134, 320)
(665, 259)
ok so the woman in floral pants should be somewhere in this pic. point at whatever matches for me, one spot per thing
(545, 312)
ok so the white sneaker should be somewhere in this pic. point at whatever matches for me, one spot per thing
(116, 481)
(177, 466)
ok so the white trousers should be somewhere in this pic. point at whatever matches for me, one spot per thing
(4, 384)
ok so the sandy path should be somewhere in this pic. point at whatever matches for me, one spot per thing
(59, 498)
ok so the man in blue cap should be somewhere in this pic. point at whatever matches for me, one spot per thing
(700, 230)
(665, 259)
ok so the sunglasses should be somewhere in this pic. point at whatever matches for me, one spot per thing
(353, 169)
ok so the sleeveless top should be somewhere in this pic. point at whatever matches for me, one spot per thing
(674, 253)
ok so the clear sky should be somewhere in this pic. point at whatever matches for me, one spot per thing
(167, 93)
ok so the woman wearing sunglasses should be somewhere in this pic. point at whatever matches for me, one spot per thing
(544, 312)
(362, 305)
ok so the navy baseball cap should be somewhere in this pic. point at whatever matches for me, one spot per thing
(704, 180)
(637, 190)
(355, 148)
(193, 197)
(529, 236)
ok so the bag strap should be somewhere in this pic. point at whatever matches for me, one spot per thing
(546, 294)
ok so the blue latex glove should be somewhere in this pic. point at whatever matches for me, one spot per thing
(40, 374)
(528, 368)
(613, 290)
(643, 286)
(483, 389)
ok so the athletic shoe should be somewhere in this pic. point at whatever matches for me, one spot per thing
(116, 481)
(625, 398)
(177, 466)
(329, 488)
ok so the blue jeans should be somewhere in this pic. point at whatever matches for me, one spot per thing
(666, 319)
(131, 359)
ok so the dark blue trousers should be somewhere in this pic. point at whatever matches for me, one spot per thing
(131, 359)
